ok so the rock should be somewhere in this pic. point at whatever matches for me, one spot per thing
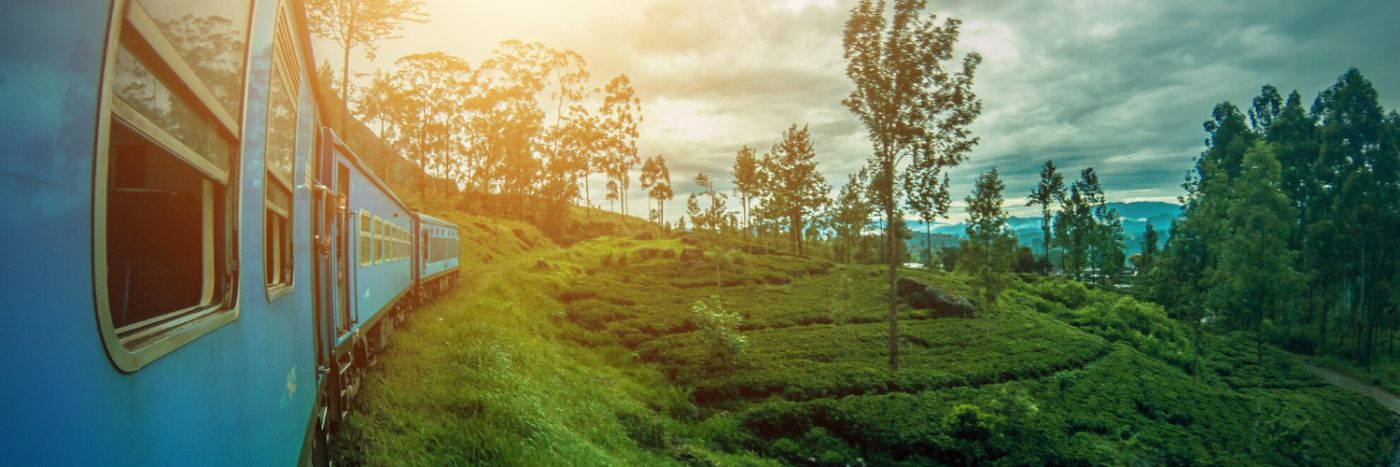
(541, 265)
(690, 240)
(691, 255)
(927, 297)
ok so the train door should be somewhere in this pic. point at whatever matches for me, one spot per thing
(344, 315)
(326, 205)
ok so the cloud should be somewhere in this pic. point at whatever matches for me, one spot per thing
(1121, 86)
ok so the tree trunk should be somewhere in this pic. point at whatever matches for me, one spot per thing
(795, 232)
(345, 88)
(892, 315)
(928, 244)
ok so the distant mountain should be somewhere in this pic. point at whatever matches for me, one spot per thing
(1136, 215)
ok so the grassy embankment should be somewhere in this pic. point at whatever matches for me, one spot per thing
(592, 360)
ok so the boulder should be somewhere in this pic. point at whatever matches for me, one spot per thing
(923, 296)
(541, 265)
(691, 255)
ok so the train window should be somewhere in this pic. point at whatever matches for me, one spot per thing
(366, 239)
(279, 156)
(378, 240)
(165, 210)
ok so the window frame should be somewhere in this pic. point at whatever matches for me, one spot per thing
(366, 243)
(137, 345)
(285, 66)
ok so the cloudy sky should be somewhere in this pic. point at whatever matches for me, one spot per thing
(1122, 86)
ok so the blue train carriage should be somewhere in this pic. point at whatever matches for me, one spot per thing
(154, 209)
(367, 260)
(438, 263)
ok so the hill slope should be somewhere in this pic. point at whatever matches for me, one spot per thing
(592, 357)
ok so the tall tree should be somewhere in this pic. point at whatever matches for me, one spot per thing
(359, 23)
(988, 252)
(377, 103)
(1050, 190)
(713, 216)
(914, 108)
(747, 180)
(794, 187)
(1359, 177)
(429, 111)
(621, 114)
(849, 214)
(656, 180)
(1255, 272)
(1150, 242)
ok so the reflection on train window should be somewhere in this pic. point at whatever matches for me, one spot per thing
(366, 239)
(167, 199)
(279, 156)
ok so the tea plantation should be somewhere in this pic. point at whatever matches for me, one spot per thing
(597, 355)
(1056, 373)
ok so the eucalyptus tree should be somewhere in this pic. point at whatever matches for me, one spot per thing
(988, 251)
(793, 186)
(849, 214)
(915, 109)
(359, 23)
(1051, 189)
(620, 114)
(656, 180)
(429, 111)
(747, 180)
(377, 103)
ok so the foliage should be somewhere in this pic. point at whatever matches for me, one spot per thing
(748, 180)
(359, 23)
(1051, 189)
(719, 329)
(990, 248)
(656, 180)
(912, 106)
(1283, 222)
(792, 187)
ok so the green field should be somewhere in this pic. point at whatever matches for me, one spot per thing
(593, 358)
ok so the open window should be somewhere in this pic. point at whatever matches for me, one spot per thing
(280, 157)
(165, 194)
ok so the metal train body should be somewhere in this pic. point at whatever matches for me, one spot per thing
(195, 270)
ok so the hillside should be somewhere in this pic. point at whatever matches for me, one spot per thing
(591, 355)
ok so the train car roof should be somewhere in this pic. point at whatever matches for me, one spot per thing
(434, 220)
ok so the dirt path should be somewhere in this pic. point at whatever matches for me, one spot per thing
(1390, 401)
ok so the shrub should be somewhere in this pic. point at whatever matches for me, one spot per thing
(719, 328)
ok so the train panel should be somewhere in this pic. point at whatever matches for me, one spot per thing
(437, 247)
(380, 248)
(169, 212)
(200, 351)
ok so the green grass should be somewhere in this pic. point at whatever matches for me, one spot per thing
(480, 377)
(593, 361)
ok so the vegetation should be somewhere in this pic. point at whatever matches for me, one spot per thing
(758, 337)
(1283, 221)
